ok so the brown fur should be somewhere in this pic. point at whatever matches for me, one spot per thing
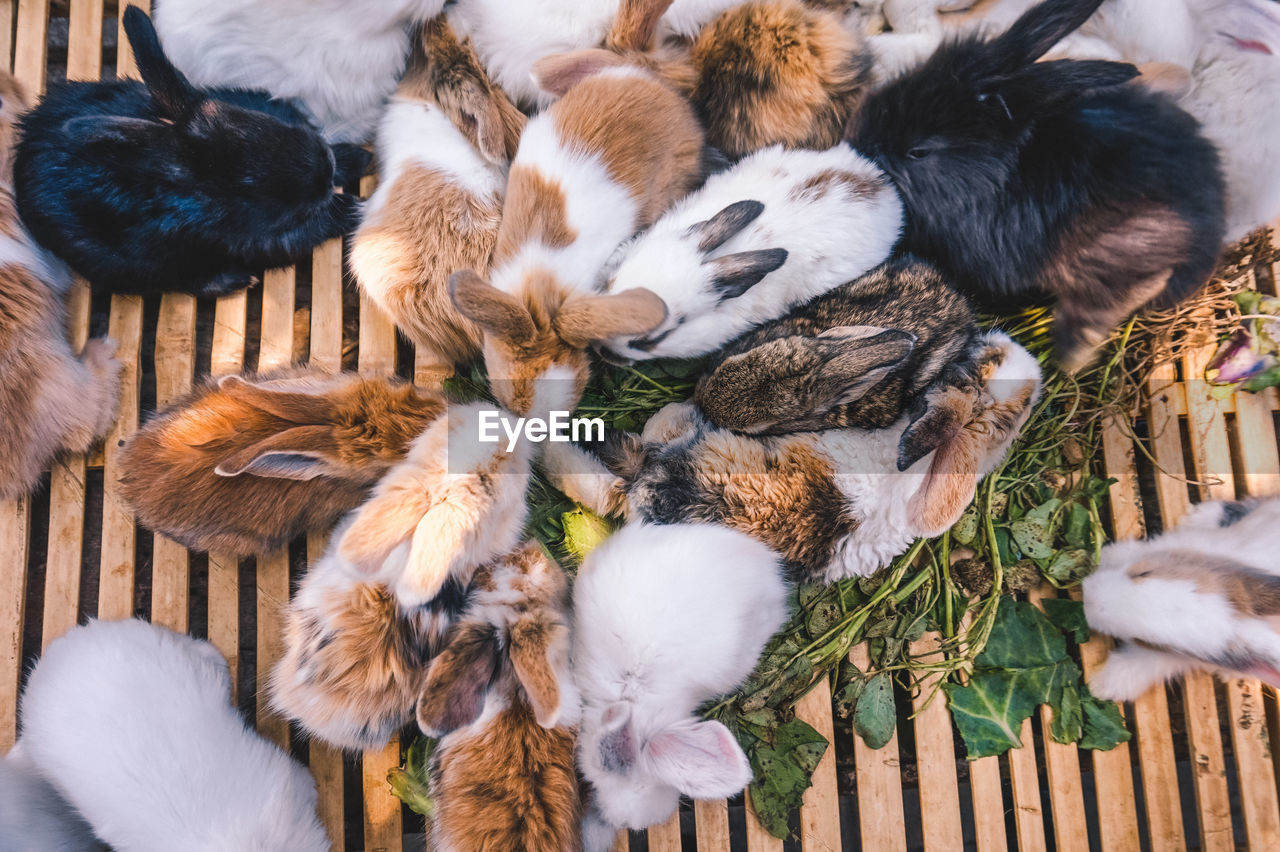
(168, 467)
(535, 211)
(776, 72)
(1250, 592)
(52, 402)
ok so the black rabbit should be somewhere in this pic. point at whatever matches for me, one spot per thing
(164, 187)
(1059, 176)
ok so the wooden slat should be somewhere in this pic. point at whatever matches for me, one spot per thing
(115, 570)
(878, 784)
(941, 827)
(621, 843)
(125, 66)
(758, 839)
(229, 320)
(29, 51)
(84, 40)
(665, 837)
(988, 805)
(7, 9)
(820, 810)
(1150, 715)
(15, 536)
(711, 823)
(1024, 780)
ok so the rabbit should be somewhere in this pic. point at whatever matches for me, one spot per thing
(132, 723)
(246, 464)
(355, 659)
(337, 59)
(1205, 595)
(443, 149)
(162, 187)
(54, 401)
(501, 697)
(770, 233)
(603, 162)
(857, 356)
(33, 815)
(1104, 195)
(835, 504)
(666, 618)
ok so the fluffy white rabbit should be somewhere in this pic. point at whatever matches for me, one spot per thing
(1204, 596)
(133, 724)
(772, 232)
(665, 618)
(339, 59)
(33, 815)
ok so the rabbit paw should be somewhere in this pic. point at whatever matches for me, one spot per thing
(99, 357)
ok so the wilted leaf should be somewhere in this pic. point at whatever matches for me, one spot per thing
(1067, 718)
(410, 783)
(584, 531)
(966, 529)
(783, 771)
(1034, 536)
(825, 615)
(1069, 565)
(874, 714)
(1103, 725)
(1067, 616)
(1076, 529)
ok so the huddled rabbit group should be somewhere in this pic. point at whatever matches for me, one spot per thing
(807, 205)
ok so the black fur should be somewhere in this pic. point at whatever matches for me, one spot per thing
(162, 187)
(1235, 511)
(1056, 176)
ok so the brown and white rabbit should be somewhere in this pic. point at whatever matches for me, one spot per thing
(444, 145)
(603, 162)
(834, 504)
(502, 698)
(245, 464)
(1205, 595)
(53, 401)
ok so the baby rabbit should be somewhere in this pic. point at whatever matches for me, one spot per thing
(245, 464)
(337, 59)
(645, 659)
(605, 161)
(1051, 175)
(1203, 596)
(355, 658)
(162, 187)
(54, 401)
(33, 815)
(835, 504)
(857, 356)
(770, 233)
(501, 698)
(443, 149)
(133, 725)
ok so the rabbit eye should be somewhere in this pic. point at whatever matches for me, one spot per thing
(918, 153)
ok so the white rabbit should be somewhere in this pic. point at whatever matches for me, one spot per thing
(339, 59)
(33, 815)
(772, 232)
(665, 618)
(133, 724)
(1204, 596)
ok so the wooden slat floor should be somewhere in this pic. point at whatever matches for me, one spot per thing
(1199, 772)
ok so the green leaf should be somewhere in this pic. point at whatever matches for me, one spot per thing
(1067, 616)
(411, 782)
(1103, 725)
(1068, 566)
(988, 712)
(966, 529)
(1004, 546)
(783, 771)
(1021, 638)
(584, 530)
(1096, 488)
(1076, 530)
(1068, 720)
(874, 715)
(1034, 536)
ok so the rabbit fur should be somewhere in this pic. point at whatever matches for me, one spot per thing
(835, 504)
(33, 815)
(245, 464)
(159, 186)
(337, 59)
(55, 401)
(856, 356)
(501, 697)
(772, 232)
(132, 723)
(1205, 595)
(645, 660)
(980, 134)
(443, 148)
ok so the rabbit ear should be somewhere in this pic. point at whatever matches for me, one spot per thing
(533, 646)
(295, 406)
(498, 313)
(1040, 28)
(735, 274)
(382, 524)
(700, 759)
(458, 680)
(936, 417)
(170, 90)
(303, 452)
(635, 24)
(859, 358)
(583, 319)
(1047, 87)
(92, 129)
(728, 223)
(618, 752)
(559, 73)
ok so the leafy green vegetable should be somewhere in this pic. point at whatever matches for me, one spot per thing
(783, 770)
(411, 783)
(1067, 616)
(874, 714)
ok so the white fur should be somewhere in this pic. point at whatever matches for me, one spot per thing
(600, 211)
(665, 618)
(132, 723)
(33, 815)
(829, 239)
(338, 58)
(1187, 627)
